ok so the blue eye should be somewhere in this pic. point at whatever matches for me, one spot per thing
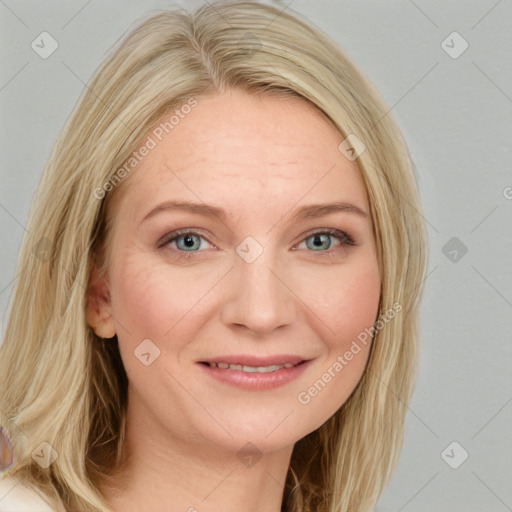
(319, 242)
(184, 242)
(188, 242)
(323, 240)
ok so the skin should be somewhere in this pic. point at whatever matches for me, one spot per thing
(260, 159)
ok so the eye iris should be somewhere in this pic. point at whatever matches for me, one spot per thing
(188, 242)
(319, 242)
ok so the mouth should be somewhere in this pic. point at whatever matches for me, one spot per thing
(255, 373)
(251, 369)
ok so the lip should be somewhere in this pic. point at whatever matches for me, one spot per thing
(256, 381)
(248, 360)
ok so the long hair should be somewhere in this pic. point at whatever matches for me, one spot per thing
(62, 385)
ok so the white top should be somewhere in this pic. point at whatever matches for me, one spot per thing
(16, 497)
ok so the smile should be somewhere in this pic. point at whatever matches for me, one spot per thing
(255, 373)
(251, 369)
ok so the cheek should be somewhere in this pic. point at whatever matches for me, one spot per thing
(141, 303)
(342, 310)
(353, 305)
(150, 301)
(347, 300)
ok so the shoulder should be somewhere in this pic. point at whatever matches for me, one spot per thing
(16, 497)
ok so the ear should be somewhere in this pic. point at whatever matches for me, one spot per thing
(99, 309)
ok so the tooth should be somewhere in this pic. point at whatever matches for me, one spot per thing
(261, 369)
(251, 369)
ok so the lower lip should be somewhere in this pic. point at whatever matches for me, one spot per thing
(256, 381)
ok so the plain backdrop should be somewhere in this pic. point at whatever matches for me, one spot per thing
(452, 97)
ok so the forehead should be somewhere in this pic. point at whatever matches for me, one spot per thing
(243, 146)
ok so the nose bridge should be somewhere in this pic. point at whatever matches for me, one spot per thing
(258, 299)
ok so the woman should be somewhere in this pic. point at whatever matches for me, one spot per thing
(222, 280)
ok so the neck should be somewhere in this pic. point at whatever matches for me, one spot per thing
(162, 472)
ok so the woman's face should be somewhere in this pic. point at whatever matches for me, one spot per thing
(242, 238)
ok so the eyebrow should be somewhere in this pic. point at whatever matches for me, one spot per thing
(304, 213)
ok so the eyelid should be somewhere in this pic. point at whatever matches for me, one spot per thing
(344, 238)
(170, 237)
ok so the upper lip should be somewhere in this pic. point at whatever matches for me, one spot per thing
(256, 361)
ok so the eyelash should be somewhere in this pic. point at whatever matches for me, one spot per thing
(342, 236)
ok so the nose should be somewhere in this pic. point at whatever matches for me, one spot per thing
(259, 299)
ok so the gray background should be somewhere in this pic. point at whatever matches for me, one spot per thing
(455, 113)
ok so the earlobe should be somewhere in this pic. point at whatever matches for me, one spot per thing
(99, 309)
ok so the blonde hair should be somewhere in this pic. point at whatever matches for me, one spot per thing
(61, 385)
